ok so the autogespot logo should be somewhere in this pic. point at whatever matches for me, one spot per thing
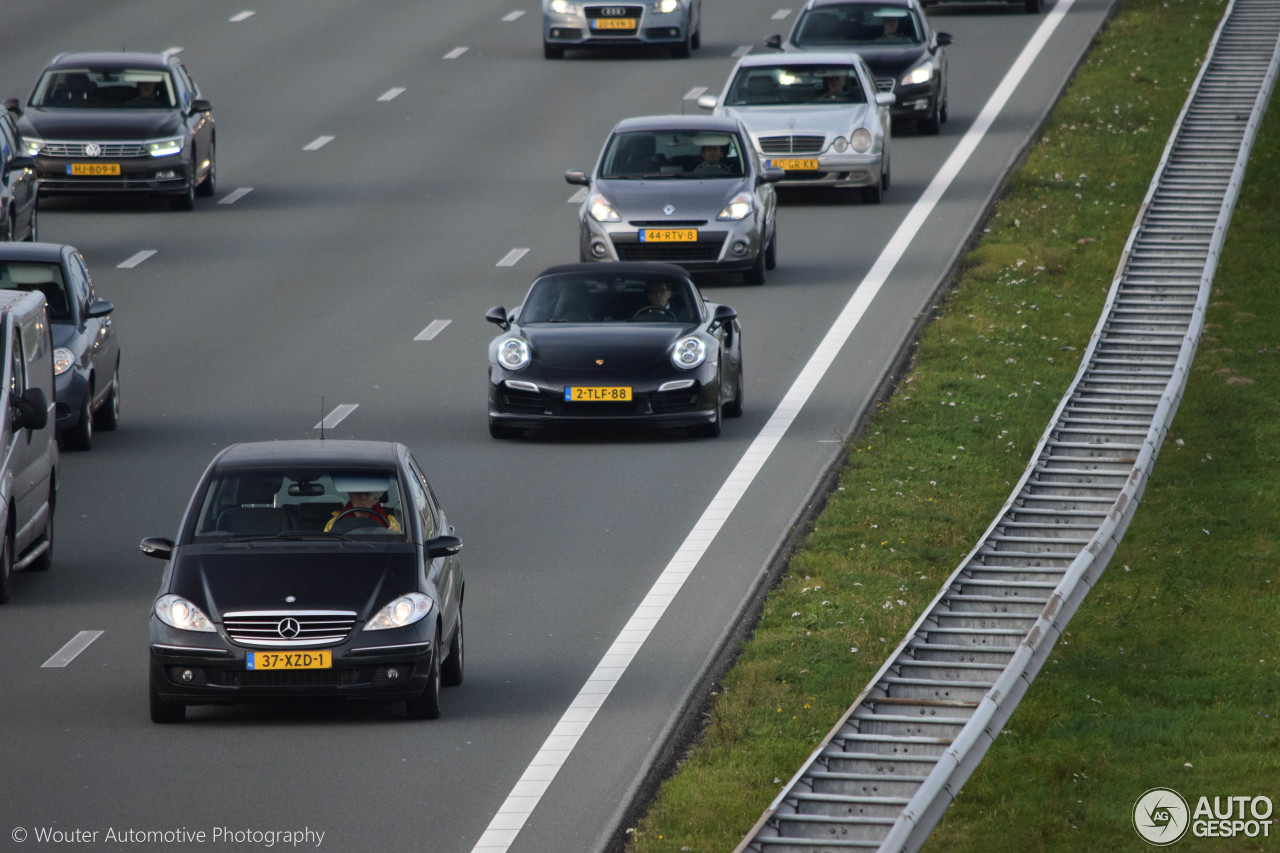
(1160, 816)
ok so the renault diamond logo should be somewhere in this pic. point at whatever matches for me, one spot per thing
(93, 149)
(669, 209)
(289, 628)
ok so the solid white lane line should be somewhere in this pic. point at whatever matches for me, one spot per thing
(742, 51)
(317, 143)
(171, 51)
(235, 195)
(134, 260)
(391, 94)
(455, 53)
(524, 797)
(337, 416)
(781, 15)
(695, 93)
(74, 646)
(436, 327)
(237, 18)
(510, 259)
(579, 197)
(511, 16)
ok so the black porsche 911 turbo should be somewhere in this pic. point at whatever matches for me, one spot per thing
(612, 343)
(308, 570)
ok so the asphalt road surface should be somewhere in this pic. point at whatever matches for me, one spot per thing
(394, 154)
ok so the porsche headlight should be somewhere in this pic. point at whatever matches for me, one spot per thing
(840, 145)
(602, 211)
(63, 358)
(513, 353)
(861, 140)
(922, 73)
(739, 207)
(33, 144)
(689, 353)
(666, 6)
(562, 7)
(165, 147)
(176, 612)
(405, 610)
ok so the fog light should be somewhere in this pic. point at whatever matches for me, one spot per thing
(187, 676)
(166, 176)
(392, 673)
(739, 248)
(598, 249)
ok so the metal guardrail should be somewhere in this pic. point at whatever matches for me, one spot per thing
(885, 774)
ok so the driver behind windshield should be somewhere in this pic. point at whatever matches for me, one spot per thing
(363, 501)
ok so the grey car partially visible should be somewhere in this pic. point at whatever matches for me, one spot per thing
(574, 25)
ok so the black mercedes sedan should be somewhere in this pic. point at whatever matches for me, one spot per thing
(894, 38)
(120, 123)
(308, 570)
(86, 354)
(614, 343)
(685, 190)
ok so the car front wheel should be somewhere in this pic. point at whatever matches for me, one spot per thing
(80, 436)
(427, 706)
(451, 670)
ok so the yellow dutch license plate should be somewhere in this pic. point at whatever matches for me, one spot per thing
(602, 394)
(669, 235)
(795, 165)
(613, 23)
(289, 660)
(93, 169)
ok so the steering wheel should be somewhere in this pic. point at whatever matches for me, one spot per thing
(655, 310)
(352, 513)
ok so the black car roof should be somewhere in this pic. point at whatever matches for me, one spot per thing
(381, 454)
(608, 268)
(46, 252)
(110, 59)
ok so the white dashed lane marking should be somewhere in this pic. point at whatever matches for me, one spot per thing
(317, 143)
(74, 646)
(391, 94)
(695, 93)
(510, 259)
(337, 416)
(781, 14)
(237, 18)
(742, 51)
(579, 197)
(511, 16)
(235, 195)
(134, 260)
(436, 327)
(455, 53)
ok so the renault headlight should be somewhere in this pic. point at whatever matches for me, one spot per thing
(922, 73)
(33, 144)
(689, 353)
(860, 140)
(405, 610)
(602, 211)
(513, 353)
(63, 358)
(739, 207)
(666, 6)
(176, 612)
(165, 147)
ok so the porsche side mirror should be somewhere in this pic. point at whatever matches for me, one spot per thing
(498, 316)
(707, 102)
(724, 315)
(443, 546)
(774, 42)
(577, 177)
(157, 546)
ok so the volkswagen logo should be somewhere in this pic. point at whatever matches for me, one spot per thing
(669, 209)
(93, 149)
(289, 628)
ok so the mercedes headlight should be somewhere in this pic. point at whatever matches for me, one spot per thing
(602, 211)
(922, 73)
(405, 610)
(165, 147)
(666, 6)
(176, 612)
(63, 358)
(513, 353)
(33, 144)
(840, 145)
(739, 207)
(861, 140)
(689, 353)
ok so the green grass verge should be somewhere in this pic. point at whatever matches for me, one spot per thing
(1168, 674)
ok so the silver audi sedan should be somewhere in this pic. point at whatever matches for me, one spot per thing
(687, 190)
(816, 116)
(573, 24)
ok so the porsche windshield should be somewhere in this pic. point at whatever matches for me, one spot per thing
(657, 154)
(764, 85)
(588, 298)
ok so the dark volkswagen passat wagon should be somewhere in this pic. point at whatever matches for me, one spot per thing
(308, 570)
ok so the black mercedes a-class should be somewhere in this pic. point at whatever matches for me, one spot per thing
(613, 343)
(308, 570)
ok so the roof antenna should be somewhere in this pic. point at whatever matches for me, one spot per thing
(322, 417)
